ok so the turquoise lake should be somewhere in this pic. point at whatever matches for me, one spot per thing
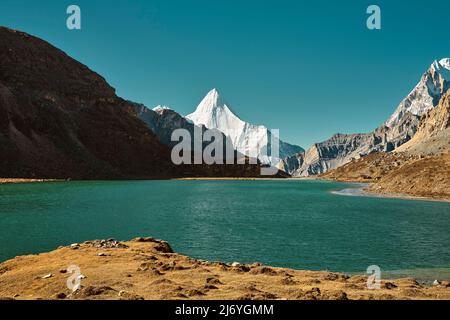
(295, 224)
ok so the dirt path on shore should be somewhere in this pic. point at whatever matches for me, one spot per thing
(145, 268)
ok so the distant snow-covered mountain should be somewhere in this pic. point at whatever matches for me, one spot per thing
(214, 112)
(401, 126)
(427, 93)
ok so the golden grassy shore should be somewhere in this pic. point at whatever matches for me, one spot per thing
(145, 268)
(18, 180)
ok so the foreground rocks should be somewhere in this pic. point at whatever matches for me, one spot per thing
(145, 268)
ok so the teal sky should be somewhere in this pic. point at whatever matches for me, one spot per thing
(309, 68)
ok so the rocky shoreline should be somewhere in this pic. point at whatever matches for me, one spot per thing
(146, 268)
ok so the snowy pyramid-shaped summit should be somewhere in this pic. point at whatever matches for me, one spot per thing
(214, 112)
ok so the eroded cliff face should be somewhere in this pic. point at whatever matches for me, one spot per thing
(433, 134)
(396, 131)
(59, 119)
(419, 168)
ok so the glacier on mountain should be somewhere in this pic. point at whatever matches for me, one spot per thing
(214, 112)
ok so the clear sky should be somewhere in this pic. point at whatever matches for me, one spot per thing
(309, 68)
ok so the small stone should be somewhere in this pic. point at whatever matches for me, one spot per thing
(390, 285)
(213, 281)
(129, 296)
(102, 254)
(61, 295)
(436, 283)
(235, 264)
(47, 276)
(63, 271)
(210, 287)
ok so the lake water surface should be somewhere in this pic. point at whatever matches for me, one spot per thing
(289, 223)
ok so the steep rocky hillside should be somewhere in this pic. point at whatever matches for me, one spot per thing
(433, 135)
(59, 119)
(401, 126)
(421, 167)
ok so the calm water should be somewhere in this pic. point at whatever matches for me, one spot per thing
(297, 224)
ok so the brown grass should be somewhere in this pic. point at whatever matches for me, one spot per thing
(145, 268)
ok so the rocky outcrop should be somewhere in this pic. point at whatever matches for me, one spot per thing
(396, 131)
(433, 134)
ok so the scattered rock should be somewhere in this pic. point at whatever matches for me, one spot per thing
(124, 295)
(313, 294)
(389, 285)
(164, 247)
(194, 292)
(288, 281)
(95, 291)
(146, 266)
(235, 264)
(268, 296)
(210, 287)
(108, 244)
(102, 254)
(241, 268)
(336, 277)
(47, 276)
(161, 281)
(336, 295)
(145, 239)
(213, 281)
(61, 295)
(264, 270)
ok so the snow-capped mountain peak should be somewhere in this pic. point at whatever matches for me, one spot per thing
(160, 108)
(213, 112)
(427, 93)
(252, 140)
(442, 67)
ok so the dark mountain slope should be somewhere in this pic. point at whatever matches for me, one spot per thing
(59, 119)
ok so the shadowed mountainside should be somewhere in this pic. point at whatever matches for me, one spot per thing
(59, 119)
